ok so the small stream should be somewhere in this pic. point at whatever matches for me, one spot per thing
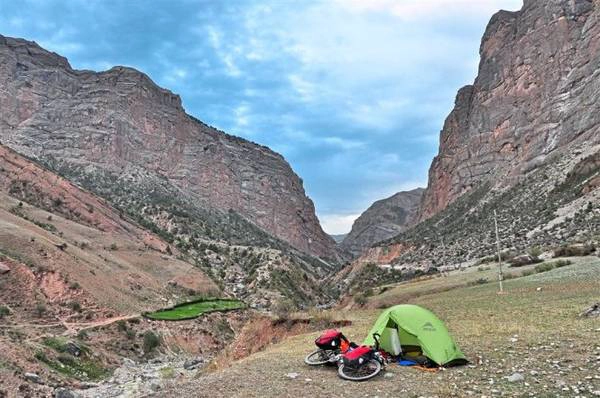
(133, 379)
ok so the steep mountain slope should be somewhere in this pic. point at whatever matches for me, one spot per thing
(118, 126)
(382, 220)
(69, 261)
(523, 140)
(534, 97)
(63, 236)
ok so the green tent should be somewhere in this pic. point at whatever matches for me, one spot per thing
(418, 328)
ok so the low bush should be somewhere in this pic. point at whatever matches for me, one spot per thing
(522, 260)
(562, 263)
(151, 341)
(480, 281)
(360, 299)
(122, 326)
(544, 267)
(4, 311)
(40, 309)
(283, 308)
(575, 250)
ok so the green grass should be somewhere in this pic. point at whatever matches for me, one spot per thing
(84, 367)
(195, 309)
(533, 326)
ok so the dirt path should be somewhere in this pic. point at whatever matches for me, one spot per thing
(75, 327)
(72, 328)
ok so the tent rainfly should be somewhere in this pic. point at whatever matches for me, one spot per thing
(418, 327)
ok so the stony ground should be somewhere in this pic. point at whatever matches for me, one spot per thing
(531, 335)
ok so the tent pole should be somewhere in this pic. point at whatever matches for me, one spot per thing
(500, 275)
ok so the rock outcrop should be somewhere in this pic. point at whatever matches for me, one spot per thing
(523, 141)
(382, 220)
(535, 97)
(121, 126)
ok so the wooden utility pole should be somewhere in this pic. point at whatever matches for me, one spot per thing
(500, 275)
(443, 255)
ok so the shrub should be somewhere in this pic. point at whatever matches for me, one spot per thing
(543, 267)
(74, 286)
(75, 306)
(525, 259)
(82, 334)
(151, 341)
(535, 251)
(562, 263)
(480, 281)
(574, 250)
(4, 311)
(283, 309)
(360, 299)
(121, 326)
(40, 309)
(114, 247)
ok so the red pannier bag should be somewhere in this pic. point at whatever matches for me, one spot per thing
(331, 340)
(358, 356)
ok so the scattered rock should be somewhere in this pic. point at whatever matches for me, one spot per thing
(388, 375)
(192, 364)
(155, 386)
(4, 268)
(292, 375)
(591, 312)
(515, 378)
(34, 378)
(64, 393)
(72, 349)
(86, 385)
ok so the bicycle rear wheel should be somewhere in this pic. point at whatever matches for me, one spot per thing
(361, 373)
(320, 357)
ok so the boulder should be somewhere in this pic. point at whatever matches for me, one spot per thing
(64, 393)
(515, 378)
(523, 259)
(591, 312)
(72, 349)
(192, 364)
(4, 268)
(34, 378)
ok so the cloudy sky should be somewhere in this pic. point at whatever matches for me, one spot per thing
(352, 92)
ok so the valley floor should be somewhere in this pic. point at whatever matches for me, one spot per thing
(534, 330)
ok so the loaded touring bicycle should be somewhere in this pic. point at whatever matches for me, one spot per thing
(409, 334)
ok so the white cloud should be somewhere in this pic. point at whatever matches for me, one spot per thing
(225, 53)
(336, 224)
(63, 42)
(418, 9)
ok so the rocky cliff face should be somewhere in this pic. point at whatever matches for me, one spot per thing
(118, 125)
(382, 220)
(522, 141)
(534, 97)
